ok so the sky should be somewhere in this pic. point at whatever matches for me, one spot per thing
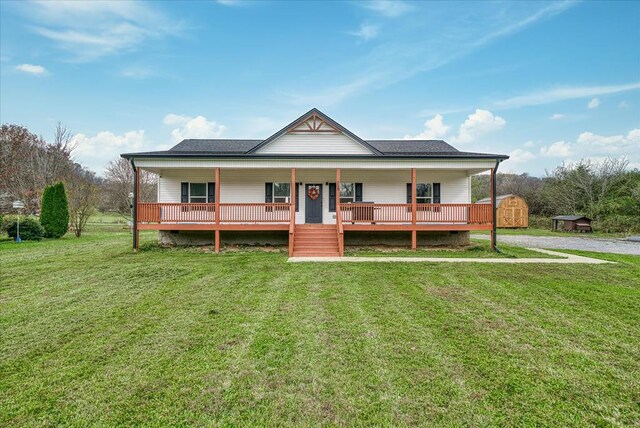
(545, 83)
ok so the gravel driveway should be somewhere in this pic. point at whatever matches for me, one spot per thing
(616, 246)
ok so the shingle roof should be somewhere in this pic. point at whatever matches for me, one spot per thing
(379, 148)
(390, 148)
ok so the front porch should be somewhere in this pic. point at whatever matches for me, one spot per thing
(367, 210)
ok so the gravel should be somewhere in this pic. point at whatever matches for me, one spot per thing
(615, 246)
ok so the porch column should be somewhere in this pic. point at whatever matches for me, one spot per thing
(492, 185)
(414, 214)
(292, 202)
(217, 210)
(339, 215)
(136, 186)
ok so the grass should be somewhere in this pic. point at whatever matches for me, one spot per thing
(93, 335)
(478, 249)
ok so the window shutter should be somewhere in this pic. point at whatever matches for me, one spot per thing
(436, 193)
(408, 193)
(184, 193)
(211, 192)
(358, 192)
(268, 192)
(297, 197)
(332, 197)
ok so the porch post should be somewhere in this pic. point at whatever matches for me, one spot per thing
(339, 215)
(217, 210)
(492, 184)
(414, 214)
(292, 203)
(136, 187)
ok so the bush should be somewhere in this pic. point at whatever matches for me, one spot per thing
(30, 229)
(618, 223)
(54, 215)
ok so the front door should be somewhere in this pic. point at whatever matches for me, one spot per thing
(313, 203)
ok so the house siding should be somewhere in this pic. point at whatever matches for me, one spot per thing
(316, 143)
(381, 186)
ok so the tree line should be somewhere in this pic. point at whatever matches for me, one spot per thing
(30, 164)
(607, 192)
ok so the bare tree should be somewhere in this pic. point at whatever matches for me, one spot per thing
(29, 164)
(83, 194)
(118, 184)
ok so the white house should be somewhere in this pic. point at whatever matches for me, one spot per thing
(315, 185)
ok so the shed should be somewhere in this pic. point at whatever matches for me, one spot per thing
(511, 211)
(573, 223)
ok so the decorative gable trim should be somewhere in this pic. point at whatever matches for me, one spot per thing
(315, 119)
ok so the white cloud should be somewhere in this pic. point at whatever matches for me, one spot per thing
(614, 145)
(559, 149)
(91, 30)
(529, 144)
(557, 116)
(435, 129)
(597, 147)
(388, 8)
(96, 151)
(479, 123)
(521, 156)
(594, 103)
(192, 127)
(38, 70)
(229, 2)
(561, 94)
(623, 104)
(366, 32)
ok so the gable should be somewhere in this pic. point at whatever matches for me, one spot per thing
(314, 134)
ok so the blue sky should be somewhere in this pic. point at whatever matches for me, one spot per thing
(543, 82)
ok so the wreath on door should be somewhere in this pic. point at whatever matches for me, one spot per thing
(313, 193)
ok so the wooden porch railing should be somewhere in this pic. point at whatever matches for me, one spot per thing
(206, 213)
(361, 213)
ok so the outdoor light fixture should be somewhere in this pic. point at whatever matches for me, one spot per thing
(18, 205)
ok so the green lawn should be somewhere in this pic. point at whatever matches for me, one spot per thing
(479, 248)
(93, 335)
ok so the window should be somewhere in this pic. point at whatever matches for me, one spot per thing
(281, 192)
(424, 194)
(198, 192)
(347, 193)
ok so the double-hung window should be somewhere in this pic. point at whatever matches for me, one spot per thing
(281, 192)
(197, 193)
(424, 193)
(347, 193)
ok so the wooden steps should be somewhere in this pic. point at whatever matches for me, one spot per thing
(315, 240)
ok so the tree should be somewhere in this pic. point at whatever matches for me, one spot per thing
(118, 184)
(29, 164)
(83, 194)
(54, 215)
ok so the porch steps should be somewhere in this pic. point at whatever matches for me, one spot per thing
(315, 240)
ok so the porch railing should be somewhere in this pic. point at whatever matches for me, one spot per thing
(363, 213)
(164, 212)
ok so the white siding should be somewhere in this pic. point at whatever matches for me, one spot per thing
(473, 165)
(381, 186)
(314, 143)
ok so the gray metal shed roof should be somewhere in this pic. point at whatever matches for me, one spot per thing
(570, 217)
(488, 200)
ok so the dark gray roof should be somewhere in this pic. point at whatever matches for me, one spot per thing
(412, 146)
(379, 148)
(570, 217)
(215, 146)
